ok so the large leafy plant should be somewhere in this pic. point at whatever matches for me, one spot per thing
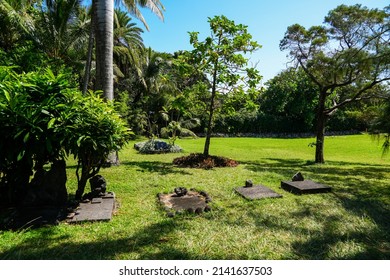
(44, 119)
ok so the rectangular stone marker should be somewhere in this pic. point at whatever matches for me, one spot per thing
(257, 192)
(96, 200)
(99, 209)
(304, 187)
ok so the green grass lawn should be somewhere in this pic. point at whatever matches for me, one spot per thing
(351, 222)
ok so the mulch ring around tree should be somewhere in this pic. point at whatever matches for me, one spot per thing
(205, 162)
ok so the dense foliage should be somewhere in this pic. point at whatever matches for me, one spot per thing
(44, 119)
(162, 94)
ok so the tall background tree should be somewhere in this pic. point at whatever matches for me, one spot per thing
(347, 59)
(288, 104)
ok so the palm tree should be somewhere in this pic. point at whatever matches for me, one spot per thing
(128, 44)
(132, 7)
(58, 28)
(103, 11)
(63, 25)
(15, 21)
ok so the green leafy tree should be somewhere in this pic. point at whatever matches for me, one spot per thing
(351, 51)
(288, 104)
(94, 130)
(221, 57)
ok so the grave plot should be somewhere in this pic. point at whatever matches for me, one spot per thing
(97, 209)
(252, 192)
(299, 185)
(182, 200)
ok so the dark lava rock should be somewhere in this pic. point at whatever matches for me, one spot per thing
(180, 191)
(298, 177)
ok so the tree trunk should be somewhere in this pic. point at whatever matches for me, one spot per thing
(211, 113)
(104, 28)
(209, 127)
(104, 36)
(321, 122)
(80, 188)
(89, 55)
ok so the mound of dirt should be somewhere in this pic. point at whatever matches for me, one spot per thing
(205, 162)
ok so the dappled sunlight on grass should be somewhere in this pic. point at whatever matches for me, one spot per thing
(351, 222)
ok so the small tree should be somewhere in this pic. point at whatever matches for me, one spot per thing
(221, 58)
(350, 54)
(94, 130)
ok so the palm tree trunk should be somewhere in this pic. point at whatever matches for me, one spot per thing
(104, 27)
(104, 35)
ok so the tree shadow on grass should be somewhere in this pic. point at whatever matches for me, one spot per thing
(361, 189)
(374, 243)
(288, 167)
(161, 168)
(150, 243)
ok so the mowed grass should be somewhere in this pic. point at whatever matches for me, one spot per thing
(351, 222)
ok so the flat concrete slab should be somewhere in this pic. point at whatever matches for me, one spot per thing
(257, 192)
(98, 209)
(304, 187)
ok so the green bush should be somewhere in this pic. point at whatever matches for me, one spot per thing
(43, 119)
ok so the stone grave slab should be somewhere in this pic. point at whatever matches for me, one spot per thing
(305, 187)
(257, 192)
(191, 202)
(97, 209)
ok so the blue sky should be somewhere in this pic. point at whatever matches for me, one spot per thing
(267, 21)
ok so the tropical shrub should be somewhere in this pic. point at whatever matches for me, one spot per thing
(43, 120)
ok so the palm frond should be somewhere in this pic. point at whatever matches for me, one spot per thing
(132, 7)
